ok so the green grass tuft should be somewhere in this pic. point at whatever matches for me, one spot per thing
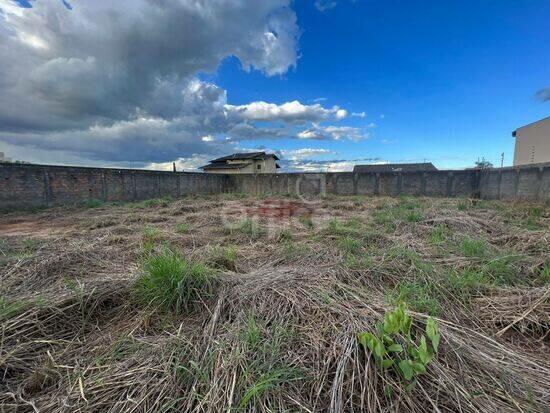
(170, 282)
(182, 228)
(421, 296)
(439, 234)
(306, 221)
(93, 203)
(473, 247)
(223, 258)
(247, 226)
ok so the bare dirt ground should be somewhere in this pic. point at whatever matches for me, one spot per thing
(273, 297)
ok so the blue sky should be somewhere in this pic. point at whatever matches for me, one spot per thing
(452, 79)
(324, 83)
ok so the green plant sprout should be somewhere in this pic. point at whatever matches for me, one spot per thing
(394, 346)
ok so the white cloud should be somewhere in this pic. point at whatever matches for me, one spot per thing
(305, 153)
(359, 114)
(293, 111)
(334, 133)
(323, 5)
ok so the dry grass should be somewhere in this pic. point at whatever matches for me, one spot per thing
(276, 329)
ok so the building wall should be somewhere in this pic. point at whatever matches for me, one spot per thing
(533, 143)
(24, 185)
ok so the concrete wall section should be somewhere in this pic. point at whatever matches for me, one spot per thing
(23, 185)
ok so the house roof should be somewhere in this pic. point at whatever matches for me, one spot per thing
(396, 167)
(246, 155)
(223, 165)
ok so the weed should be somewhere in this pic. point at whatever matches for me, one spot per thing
(414, 216)
(247, 226)
(386, 219)
(182, 228)
(306, 221)
(285, 236)
(500, 271)
(349, 245)
(358, 263)
(93, 203)
(171, 282)
(266, 382)
(393, 345)
(419, 295)
(31, 244)
(224, 257)
(544, 274)
(462, 205)
(349, 228)
(467, 281)
(439, 234)
(10, 308)
(473, 247)
(150, 236)
(150, 203)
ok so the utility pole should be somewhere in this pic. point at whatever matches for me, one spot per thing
(174, 166)
(502, 160)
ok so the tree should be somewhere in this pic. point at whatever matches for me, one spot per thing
(483, 164)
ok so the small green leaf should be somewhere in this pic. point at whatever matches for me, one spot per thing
(406, 369)
(418, 367)
(432, 332)
(395, 348)
(379, 348)
(387, 363)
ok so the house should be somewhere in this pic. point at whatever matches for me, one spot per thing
(243, 163)
(395, 167)
(532, 143)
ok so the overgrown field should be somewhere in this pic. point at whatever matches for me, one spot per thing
(210, 304)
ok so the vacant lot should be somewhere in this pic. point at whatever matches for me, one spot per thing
(245, 304)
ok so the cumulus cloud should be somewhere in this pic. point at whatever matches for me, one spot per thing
(287, 112)
(543, 95)
(333, 133)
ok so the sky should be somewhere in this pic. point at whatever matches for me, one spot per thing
(324, 84)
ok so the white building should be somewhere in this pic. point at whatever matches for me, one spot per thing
(532, 143)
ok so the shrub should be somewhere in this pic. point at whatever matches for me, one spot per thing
(171, 282)
(473, 247)
(393, 346)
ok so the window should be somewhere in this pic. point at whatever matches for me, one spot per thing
(259, 167)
